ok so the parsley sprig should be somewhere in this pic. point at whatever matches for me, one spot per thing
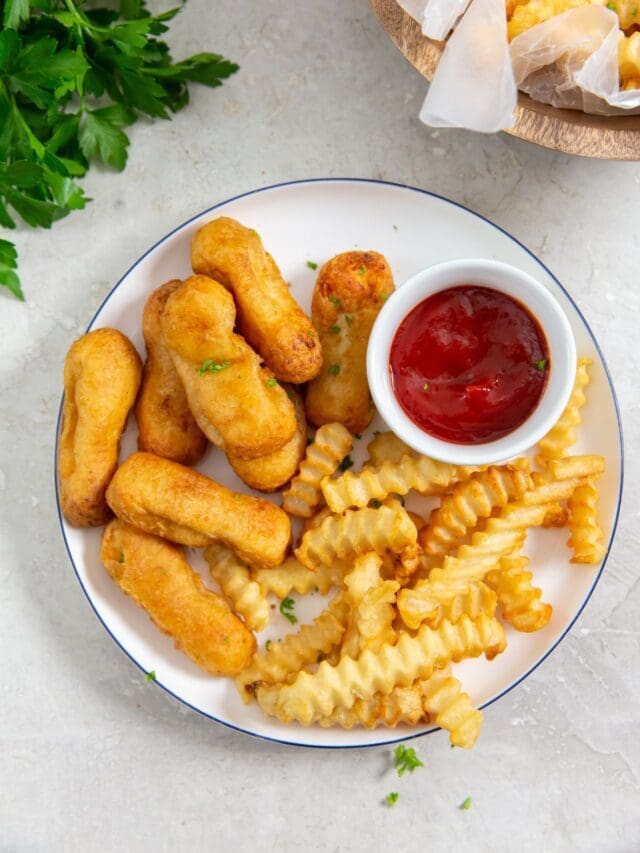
(73, 76)
(406, 759)
(286, 608)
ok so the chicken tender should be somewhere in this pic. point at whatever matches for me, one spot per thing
(349, 293)
(268, 473)
(158, 578)
(101, 379)
(237, 403)
(178, 503)
(165, 423)
(268, 316)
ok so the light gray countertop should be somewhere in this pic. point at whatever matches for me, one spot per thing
(93, 758)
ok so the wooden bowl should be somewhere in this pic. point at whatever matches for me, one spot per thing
(571, 131)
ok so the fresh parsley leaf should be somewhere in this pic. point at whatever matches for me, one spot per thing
(286, 608)
(540, 365)
(209, 365)
(151, 676)
(406, 759)
(346, 463)
(392, 798)
(312, 265)
(361, 271)
(121, 557)
(100, 139)
(335, 302)
(335, 330)
(8, 263)
(15, 12)
(465, 805)
(334, 370)
(272, 382)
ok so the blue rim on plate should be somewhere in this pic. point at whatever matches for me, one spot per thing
(404, 736)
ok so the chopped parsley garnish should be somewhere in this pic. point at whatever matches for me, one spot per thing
(346, 463)
(121, 557)
(286, 608)
(395, 227)
(151, 676)
(225, 639)
(211, 366)
(334, 370)
(612, 6)
(335, 302)
(406, 759)
(466, 805)
(384, 296)
(312, 265)
(290, 394)
(271, 383)
(375, 503)
(392, 798)
(540, 365)
(361, 271)
(335, 330)
(267, 645)
(348, 319)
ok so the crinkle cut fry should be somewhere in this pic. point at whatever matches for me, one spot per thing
(563, 435)
(403, 705)
(449, 707)
(521, 602)
(471, 500)
(292, 576)
(355, 532)
(244, 595)
(586, 540)
(331, 444)
(312, 696)
(371, 602)
(501, 537)
(425, 475)
(286, 657)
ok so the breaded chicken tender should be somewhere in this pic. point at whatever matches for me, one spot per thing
(268, 316)
(349, 293)
(237, 403)
(165, 423)
(178, 503)
(101, 379)
(158, 578)
(268, 473)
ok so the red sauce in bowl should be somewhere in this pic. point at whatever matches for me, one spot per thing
(469, 364)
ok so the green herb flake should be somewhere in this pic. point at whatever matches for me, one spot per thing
(466, 804)
(225, 639)
(384, 297)
(406, 759)
(267, 645)
(151, 676)
(312, 265)
(335, 302)
(121, 557)
(286, 608)
(334, 370)
(348, 319)
(395, 227)
(346, 463)
(271, 383)
(361, 271)
(335, 330)
(612, 6)
(392, 798)
(540, 365)
(209, 365)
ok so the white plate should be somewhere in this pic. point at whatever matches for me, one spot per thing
(312, 221)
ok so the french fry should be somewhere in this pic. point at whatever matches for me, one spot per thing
(586, 540)
(371, 600)
(313, 696)
(450, 708)
(355, 532)
(471, 500)
(285, 658)
(387, 447)
(521, 602)
(425, 475)
(292, 576)
(244, 595)
(331, 444)
(402, 705)
(563, 435)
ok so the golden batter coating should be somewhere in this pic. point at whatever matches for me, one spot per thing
(237, 402)
(165, 423)
(101, 379)
(180, 504)
(348, 295)
(158, 578)
(269, 473)
(268, 316)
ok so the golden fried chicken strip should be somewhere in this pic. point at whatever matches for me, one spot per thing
(178, 503)
(158, 578)
(237, 403)
(165, 423)
(268, 316)
(101, 379)
(348, 295)
(268, 473)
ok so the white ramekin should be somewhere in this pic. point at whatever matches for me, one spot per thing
(501, 277)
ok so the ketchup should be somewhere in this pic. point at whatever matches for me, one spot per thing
(469, 364)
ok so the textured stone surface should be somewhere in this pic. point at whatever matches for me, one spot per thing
(95, 759)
